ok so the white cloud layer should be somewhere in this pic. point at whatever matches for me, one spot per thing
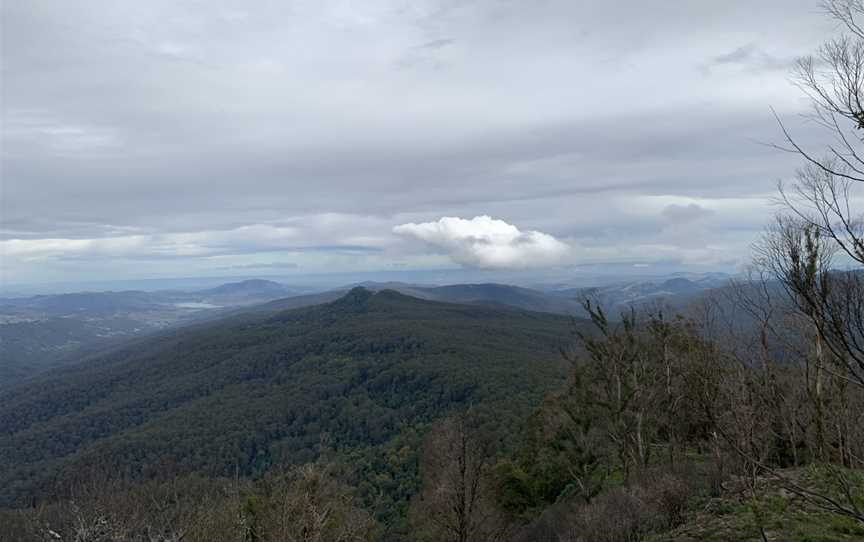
(162, 139)
(486, 243)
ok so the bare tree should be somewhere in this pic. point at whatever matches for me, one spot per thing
(820, 220)
(629, 374)
(456, 503)
(306, 504)
(815, 249)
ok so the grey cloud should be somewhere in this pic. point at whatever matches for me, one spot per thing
(686, 213)
(753, 57)
(161, 118)
(436, 44)
(741, 55)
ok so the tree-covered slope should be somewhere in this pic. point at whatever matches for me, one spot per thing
(43, 332)
(241, 394)
(28, 347)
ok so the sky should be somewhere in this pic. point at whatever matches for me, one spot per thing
(191, 138)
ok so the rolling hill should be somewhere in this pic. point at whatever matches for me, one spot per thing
(675, 291)
(46, 331)
(253, 390)
(503, 295)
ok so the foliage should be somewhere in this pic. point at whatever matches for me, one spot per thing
(357, 379)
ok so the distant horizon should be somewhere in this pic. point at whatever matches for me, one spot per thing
(600, 275)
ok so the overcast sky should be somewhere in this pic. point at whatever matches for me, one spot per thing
(177, 138)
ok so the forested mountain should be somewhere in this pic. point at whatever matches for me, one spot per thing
(241, 394)
(501, 295)
(674, 291)
(46, 331)
(384, 408)
(490, 294)
(28, 347)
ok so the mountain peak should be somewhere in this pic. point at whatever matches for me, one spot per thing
(356, 298)
(361, 300)
(393, 295)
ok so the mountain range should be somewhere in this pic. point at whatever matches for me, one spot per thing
(42, 332)
(239, 378)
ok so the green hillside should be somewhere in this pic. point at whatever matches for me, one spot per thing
(242, 394)
(29, 347)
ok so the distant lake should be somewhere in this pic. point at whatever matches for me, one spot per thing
(193, 305)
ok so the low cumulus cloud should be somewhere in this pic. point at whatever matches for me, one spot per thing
(487, 243)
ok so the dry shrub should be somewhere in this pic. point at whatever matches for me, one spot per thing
(655, 501)
(301, 503)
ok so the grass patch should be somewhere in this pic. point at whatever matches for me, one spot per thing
(737, 515)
